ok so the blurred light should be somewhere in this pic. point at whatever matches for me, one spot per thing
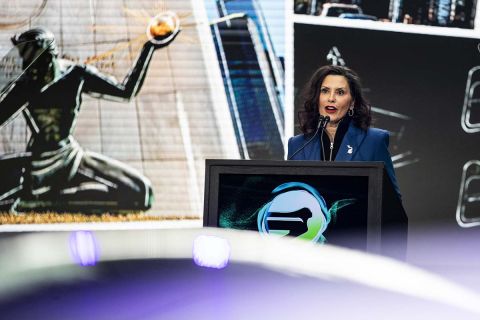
(83, 248)
(211, 252)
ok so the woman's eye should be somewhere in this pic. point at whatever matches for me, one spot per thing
(324, 90)
(340, 92)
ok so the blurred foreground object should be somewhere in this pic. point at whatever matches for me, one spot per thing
(150, 274)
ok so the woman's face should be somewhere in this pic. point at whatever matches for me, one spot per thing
(335, 98)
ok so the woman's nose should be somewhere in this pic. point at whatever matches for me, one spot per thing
(331, 98)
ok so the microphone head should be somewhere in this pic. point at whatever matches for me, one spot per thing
(321, 120)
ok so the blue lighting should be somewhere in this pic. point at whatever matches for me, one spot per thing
(211, 252)
(84, 248)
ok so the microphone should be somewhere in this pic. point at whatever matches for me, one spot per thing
(326, 120)
(322, 123)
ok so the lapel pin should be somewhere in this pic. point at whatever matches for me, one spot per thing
(350, 149)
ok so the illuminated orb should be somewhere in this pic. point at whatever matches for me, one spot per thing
(163, 27)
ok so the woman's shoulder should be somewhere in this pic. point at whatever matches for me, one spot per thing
(297, 140)
(377, 136)
(370, 132)
(377, 132)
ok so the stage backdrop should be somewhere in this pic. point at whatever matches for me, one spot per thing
(421, 84)
(184, 113)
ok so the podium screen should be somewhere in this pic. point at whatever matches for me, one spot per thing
(313, 203)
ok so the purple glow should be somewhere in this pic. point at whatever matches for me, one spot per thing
(83, 248)
(211, 252)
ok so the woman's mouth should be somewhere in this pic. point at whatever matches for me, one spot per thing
(330, 109)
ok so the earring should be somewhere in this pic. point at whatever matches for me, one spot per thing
(350, 112)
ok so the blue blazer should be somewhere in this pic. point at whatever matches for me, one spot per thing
(357, 145)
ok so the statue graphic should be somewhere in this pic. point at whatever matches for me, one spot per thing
(57, 174)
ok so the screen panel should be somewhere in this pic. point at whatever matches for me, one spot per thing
(338, 203)
(422, 88)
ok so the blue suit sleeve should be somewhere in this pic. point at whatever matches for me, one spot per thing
(290, 147)
(383, 154)
(295, 143)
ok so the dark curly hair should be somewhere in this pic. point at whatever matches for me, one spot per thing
(309, 116)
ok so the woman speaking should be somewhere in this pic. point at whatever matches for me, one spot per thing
(335, 122)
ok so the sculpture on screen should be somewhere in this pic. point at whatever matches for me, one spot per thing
(57, 174)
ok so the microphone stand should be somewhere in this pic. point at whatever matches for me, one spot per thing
(322, 123)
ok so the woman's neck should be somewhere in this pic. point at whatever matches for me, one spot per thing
(332, 130)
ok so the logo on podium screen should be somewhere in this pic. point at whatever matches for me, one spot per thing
(298, 209)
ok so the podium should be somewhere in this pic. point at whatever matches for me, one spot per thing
(350, 204)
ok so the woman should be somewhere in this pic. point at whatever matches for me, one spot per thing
(59, 175)
(335, 91)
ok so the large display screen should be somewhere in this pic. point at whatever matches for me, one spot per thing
(423, 88)
(108, 118)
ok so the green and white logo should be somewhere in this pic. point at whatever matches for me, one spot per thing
(298, 210)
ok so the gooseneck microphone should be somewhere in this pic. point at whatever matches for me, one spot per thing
(322, 123)
(326, 120)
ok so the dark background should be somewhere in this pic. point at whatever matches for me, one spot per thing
(421, 76)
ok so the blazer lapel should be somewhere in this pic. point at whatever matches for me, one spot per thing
(350, 143)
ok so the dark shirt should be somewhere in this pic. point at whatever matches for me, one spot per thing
(325, 142)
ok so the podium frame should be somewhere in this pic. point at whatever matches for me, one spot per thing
(378, 186)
